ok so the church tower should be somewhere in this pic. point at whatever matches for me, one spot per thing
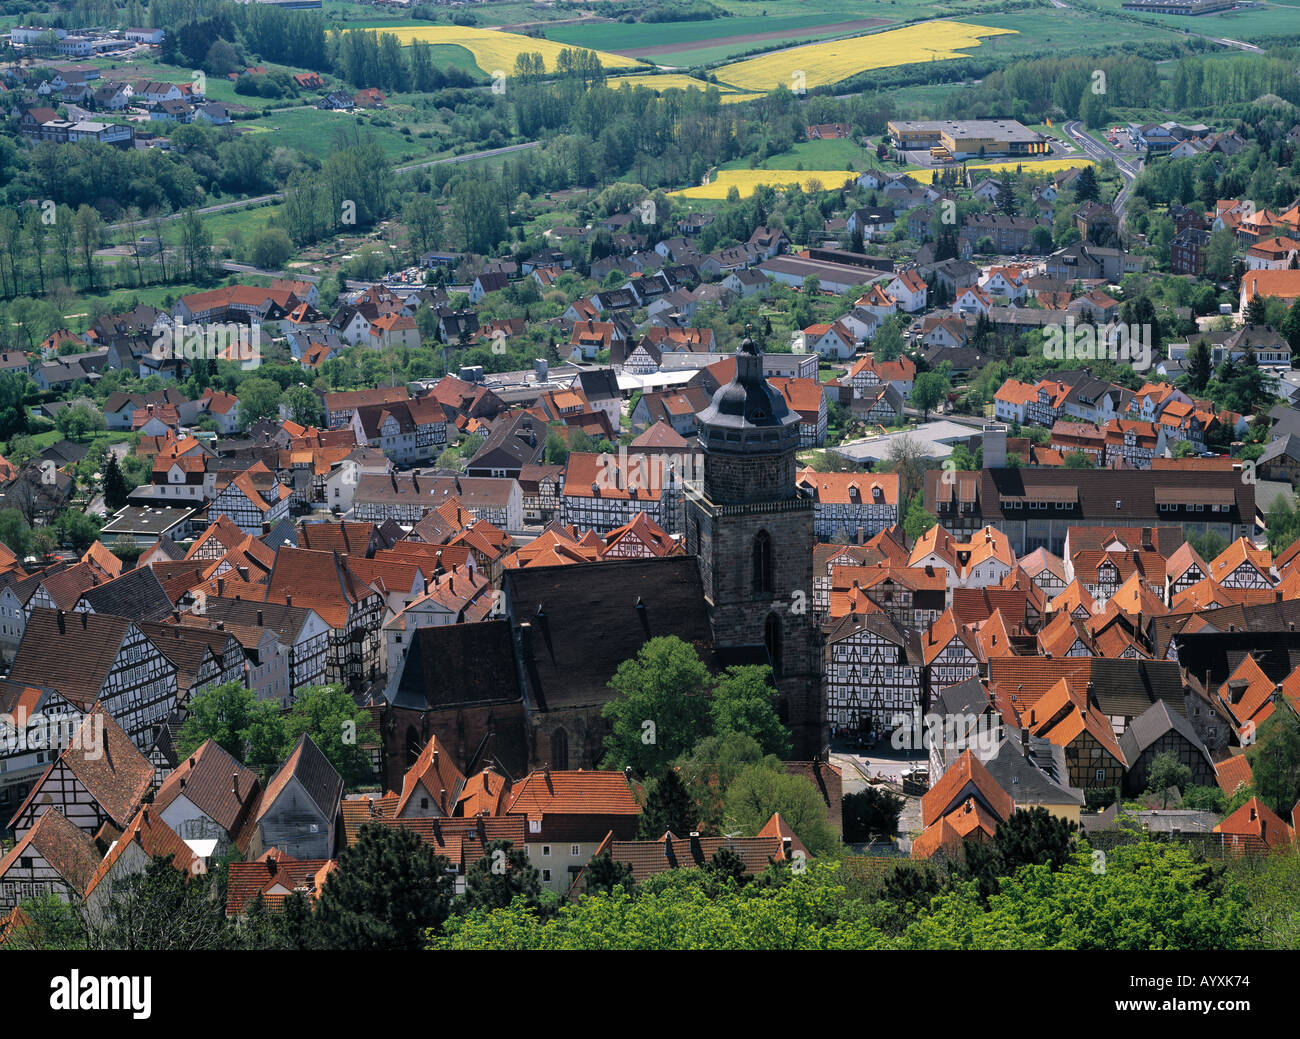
(753, 533)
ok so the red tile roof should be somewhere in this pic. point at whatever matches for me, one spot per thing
(548, 792)
(1256, 820)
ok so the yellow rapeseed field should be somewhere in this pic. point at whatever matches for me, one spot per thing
(745, 181)
(1032, 168)
(494, 50)
(821, 64)
(679, 81)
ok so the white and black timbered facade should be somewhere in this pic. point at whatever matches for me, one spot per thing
(53, 859)
(870, 676)
(954, 662)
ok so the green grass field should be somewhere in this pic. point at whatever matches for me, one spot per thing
(814, 155)
(246, 221)
(51, 437)
(1269, 19)
(633, 38)
(1051, 32)
(318, 133)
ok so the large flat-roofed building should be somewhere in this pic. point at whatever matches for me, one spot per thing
(968, 138)
(1036, 507)
(1188, 7)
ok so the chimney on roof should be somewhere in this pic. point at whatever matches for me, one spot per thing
(234, 783)
(83, 620)
(288, 600)
(61, 622)
(259, 618)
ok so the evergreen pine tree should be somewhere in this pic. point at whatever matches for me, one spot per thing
(669, 807)
(115, 490)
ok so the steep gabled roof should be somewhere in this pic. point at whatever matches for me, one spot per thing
(137, 594)
(1255, 819)
(966, 777)
(248, 880)
(586, 619)
(216, 784)
(317, 580)
(109, 767)
(485, 793)
(1062, 716)
(155, 838)
(1234, 772)
(1151, 725)
(71, 652)
(436, 774)
(68, 850)
(313, 770)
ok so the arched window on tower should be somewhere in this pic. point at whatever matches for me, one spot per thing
(772, 640)
(560, 750)
(413, 746)
(763, 584)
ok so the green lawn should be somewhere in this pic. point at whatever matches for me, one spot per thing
(247, 221)
(1054, 32)
(318, 133)
(617, 36)
(1268, 19)
(821, 155)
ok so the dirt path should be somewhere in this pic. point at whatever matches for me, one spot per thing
(838, 29)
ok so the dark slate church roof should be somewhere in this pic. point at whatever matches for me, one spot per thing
(1216, 654)
(583, 620)
(459, 665)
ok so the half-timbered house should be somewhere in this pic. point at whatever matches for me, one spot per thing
(846, 505)
(872, 673)
(254, 499)
(93, 657)
(52, 858)
(100, 777)
(352, 609)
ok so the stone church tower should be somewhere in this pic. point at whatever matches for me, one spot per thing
(753, 533)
